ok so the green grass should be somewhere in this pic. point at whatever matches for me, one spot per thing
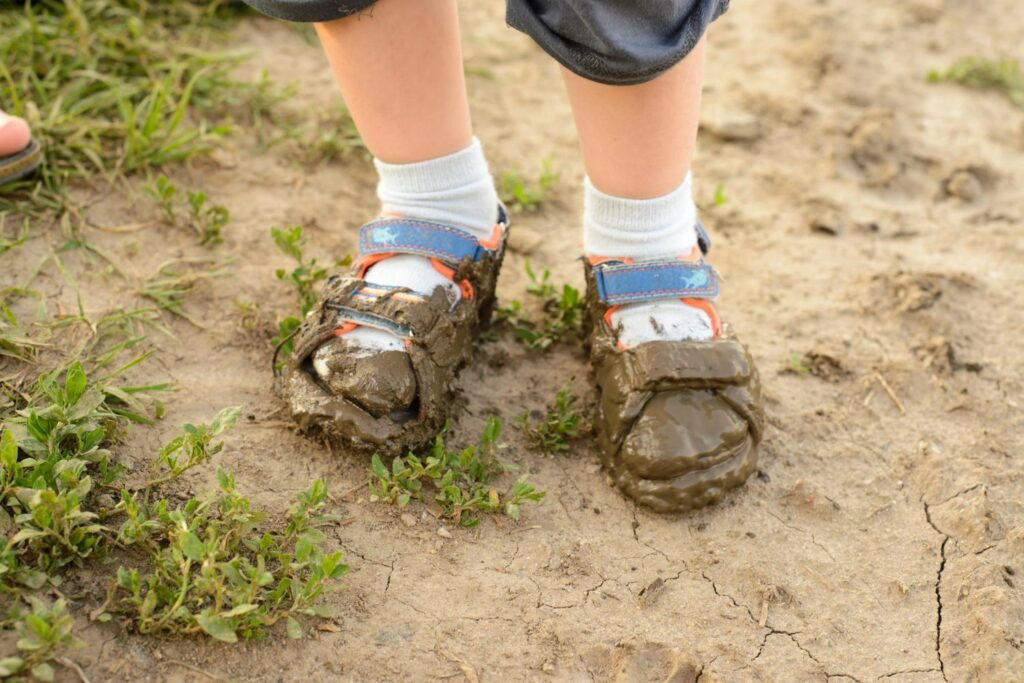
(173, 281)
(210, 569)
(43, 631)
(1003, 75)
(113, 87)
(51, 452)
(719, 198)
(208, 565)
(194, 447)
(560, 311)
(205, 220)
(117, 91)
(459, 482)
(796, 365)
(553, 430)
(305, 279)
(521, 194)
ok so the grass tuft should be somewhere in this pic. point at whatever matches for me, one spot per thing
(112, 87)
(1003, 75)
(561, 311)
(175, 280)
(211, 570)
(562, 423)
(460, 481)
(520, 194)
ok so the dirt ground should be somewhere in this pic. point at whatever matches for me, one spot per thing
(872, 228)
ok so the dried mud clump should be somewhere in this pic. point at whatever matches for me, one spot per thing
(940, 356)
(968, 184)
(825, 366)
(875, 148)
(914, 292)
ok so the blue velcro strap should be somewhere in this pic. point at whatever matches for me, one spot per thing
(424, 238)
(623, 283)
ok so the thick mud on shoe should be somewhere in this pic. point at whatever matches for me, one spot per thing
(678, 422)
(391, 401)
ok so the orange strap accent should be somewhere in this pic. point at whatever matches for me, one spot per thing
(345, 328)
(710, 310)
(365, 262)
(494, 241)
(465, 286)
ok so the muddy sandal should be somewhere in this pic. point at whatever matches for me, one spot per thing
(678, 422)
(438, 338)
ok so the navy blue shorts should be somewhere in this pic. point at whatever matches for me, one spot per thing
(618, 42)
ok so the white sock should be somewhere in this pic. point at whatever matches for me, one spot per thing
(456, 190)
(645, 229)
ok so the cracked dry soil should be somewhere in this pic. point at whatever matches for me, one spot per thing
(881, 538)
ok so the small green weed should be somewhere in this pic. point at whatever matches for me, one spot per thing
(561, 311)
(562, 423)
(796, 365)
(1004, 75)
(212, 571)
(164, 191)
(460, 481)
(42, 633)
(194, 446)
(719, 198)
(520, 194)
(307, 274)
(63, 440)
(304, 278)
(206, 221)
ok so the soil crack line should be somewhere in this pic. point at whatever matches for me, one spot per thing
(908, 671)
(636, 537)
(803, 531)
(731, 599)
(938, 584)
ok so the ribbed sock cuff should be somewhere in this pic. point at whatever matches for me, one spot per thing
(456, 189)
(639, 228)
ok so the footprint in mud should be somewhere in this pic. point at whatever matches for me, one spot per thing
(632, 661)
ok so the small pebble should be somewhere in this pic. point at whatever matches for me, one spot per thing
(408, 519)
(444, 533)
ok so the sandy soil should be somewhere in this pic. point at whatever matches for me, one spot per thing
(872, 221)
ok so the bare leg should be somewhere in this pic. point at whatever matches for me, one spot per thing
(401, 74)
(400, 71)
(638, 140)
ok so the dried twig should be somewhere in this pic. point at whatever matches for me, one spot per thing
(892, 394)
(64, 661)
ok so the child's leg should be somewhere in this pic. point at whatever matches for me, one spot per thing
(400, 70)
(678, 415)
(638, 142)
